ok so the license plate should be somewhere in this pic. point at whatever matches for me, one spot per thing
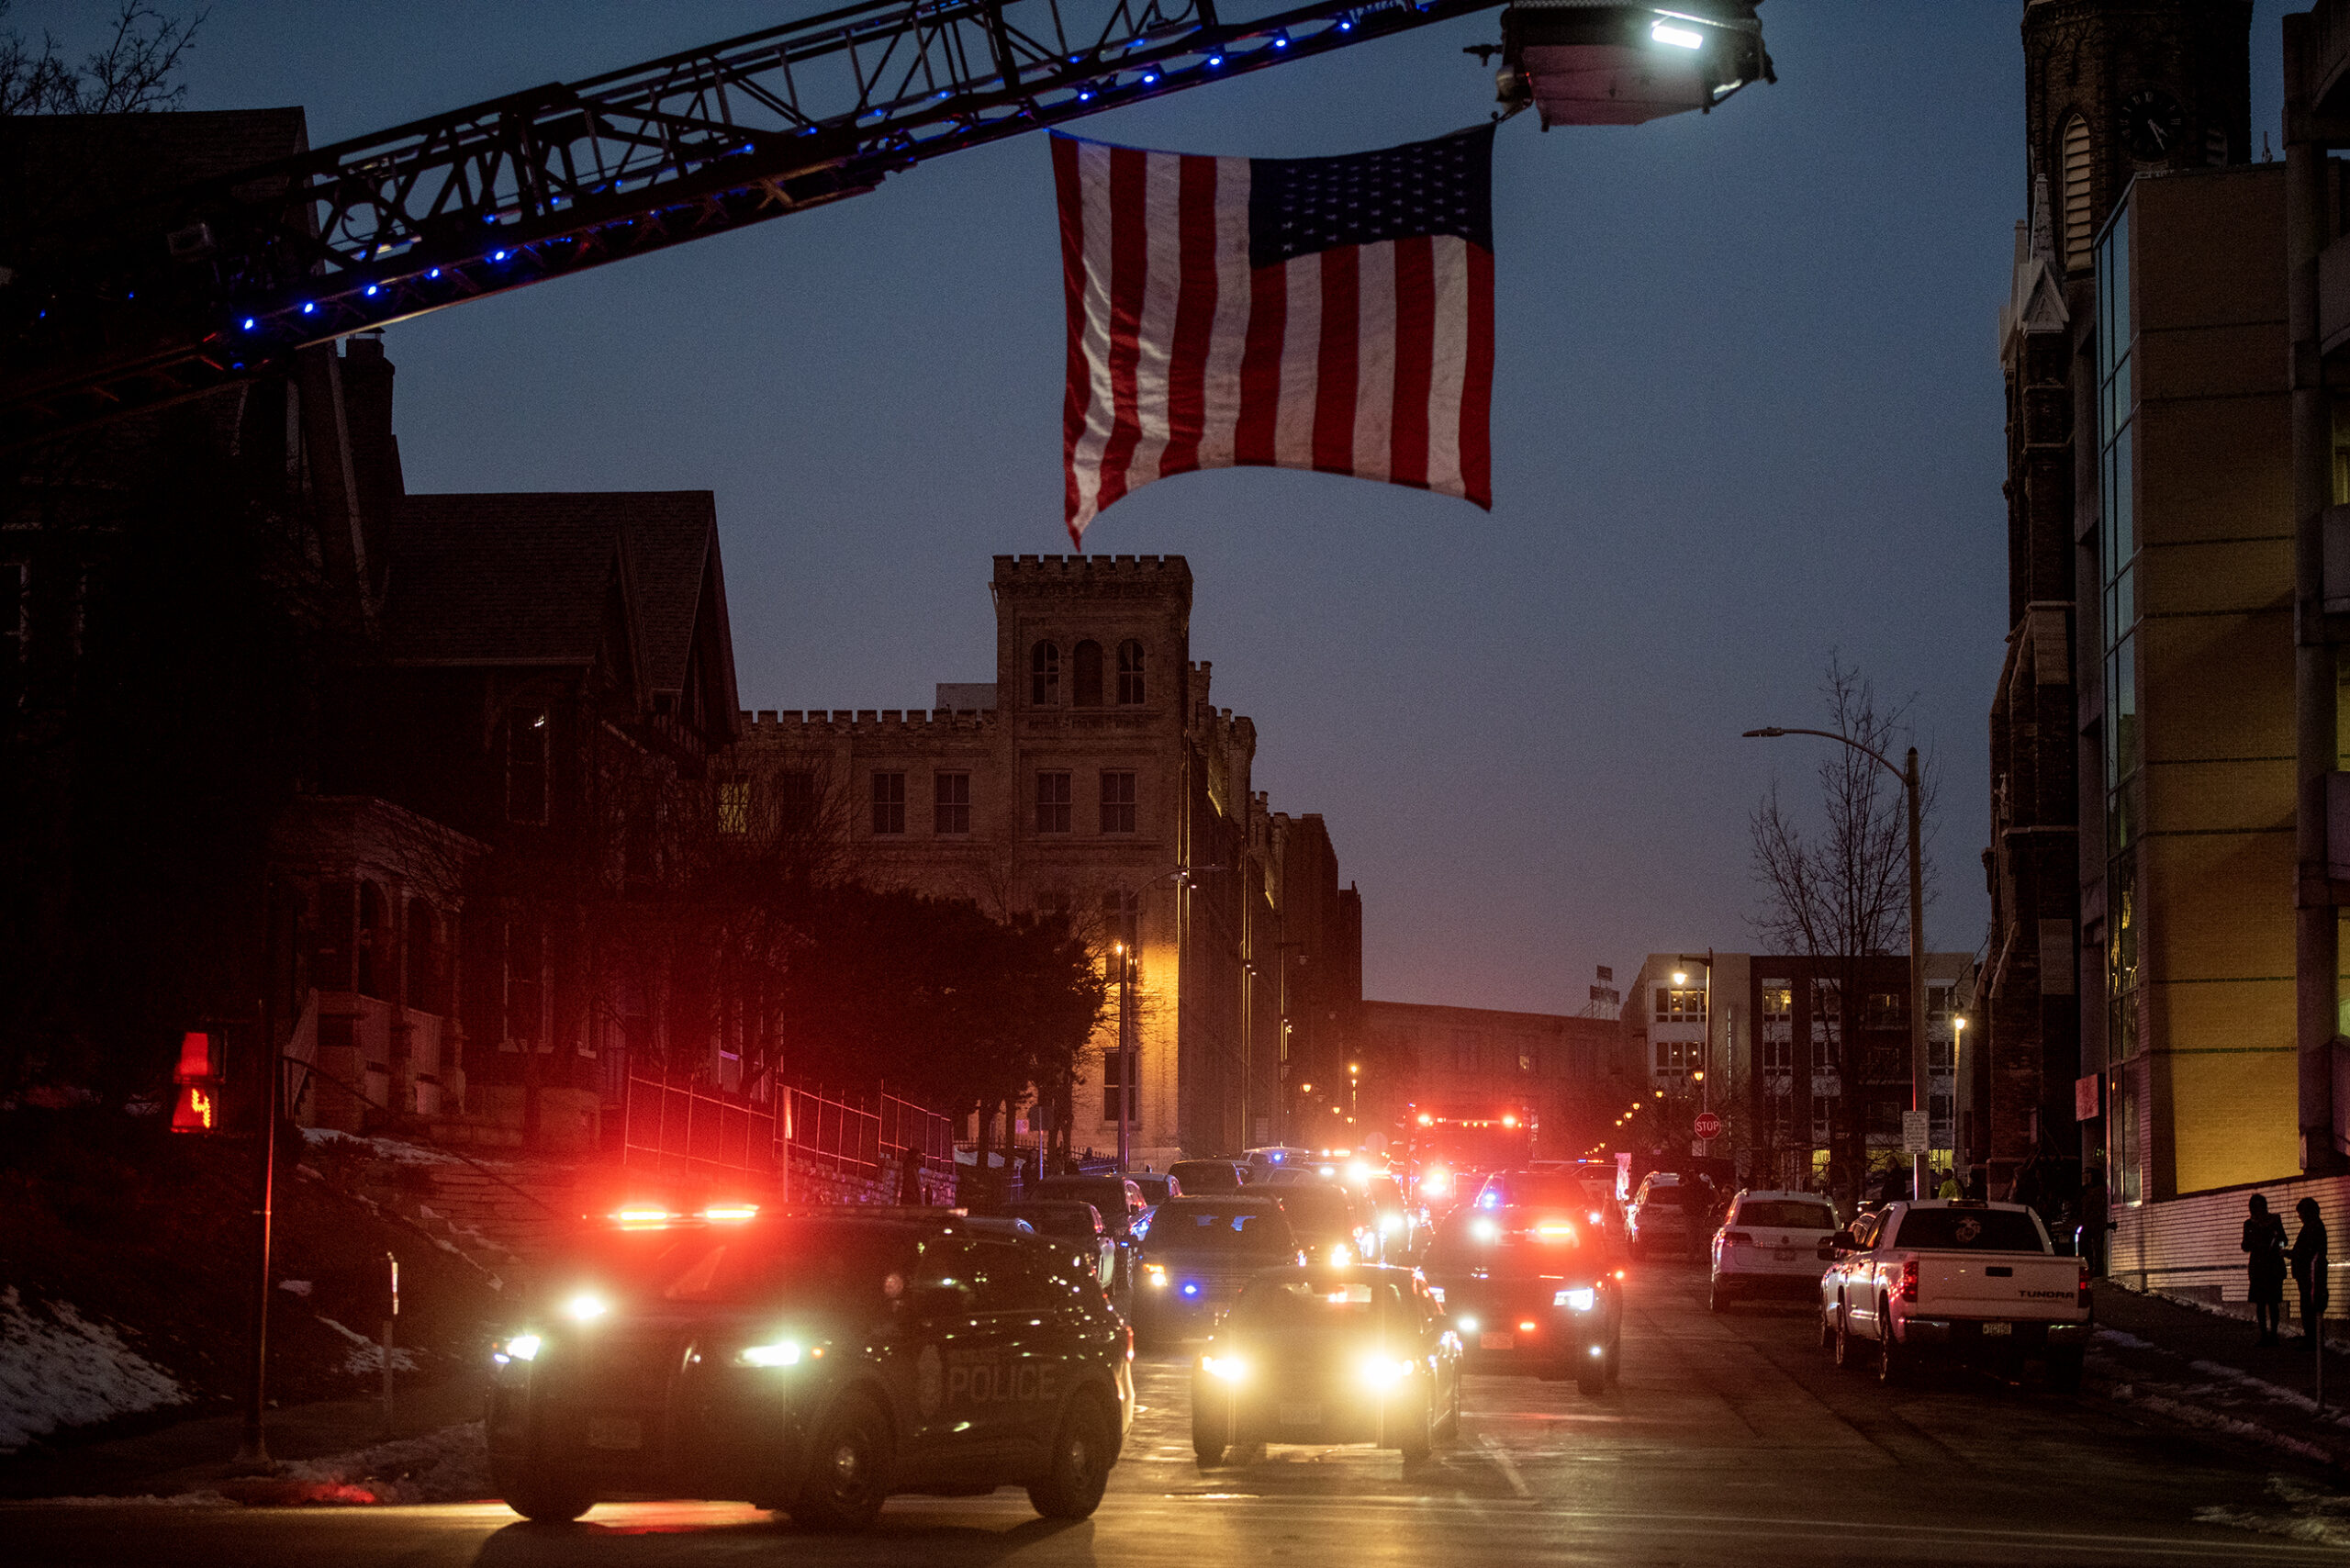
(1301, 1415)
(615, 1432)
(1784, 1257)
(1494, 1342)
(1991, 1329)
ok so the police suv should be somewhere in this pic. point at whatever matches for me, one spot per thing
(811, 1361)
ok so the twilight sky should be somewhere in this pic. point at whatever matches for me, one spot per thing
(1747, 410)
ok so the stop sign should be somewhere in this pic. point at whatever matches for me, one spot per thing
(1709, 1126)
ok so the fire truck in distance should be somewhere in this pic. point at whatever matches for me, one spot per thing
(1449, 1149)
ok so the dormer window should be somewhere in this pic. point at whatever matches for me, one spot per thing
(1130, 683)
(2080, 233)
(1088, 674)
(1045, 676)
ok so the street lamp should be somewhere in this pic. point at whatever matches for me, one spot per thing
(1922, 1167)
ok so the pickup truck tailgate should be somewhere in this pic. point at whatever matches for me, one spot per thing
(2027, 1285)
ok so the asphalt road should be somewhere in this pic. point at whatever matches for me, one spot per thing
(1731, 1440)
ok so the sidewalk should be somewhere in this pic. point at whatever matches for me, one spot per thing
(338, 1451)
(2205, 1370)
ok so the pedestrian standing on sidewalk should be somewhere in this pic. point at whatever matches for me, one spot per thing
(2094, 1223)
(2310, 1265)
(2264, 1244)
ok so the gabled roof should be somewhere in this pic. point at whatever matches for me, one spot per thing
(526, 577)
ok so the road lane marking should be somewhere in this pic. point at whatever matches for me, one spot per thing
(1507, 1465)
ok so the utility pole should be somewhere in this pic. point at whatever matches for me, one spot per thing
(255, 1447)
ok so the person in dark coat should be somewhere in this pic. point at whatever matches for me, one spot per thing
(2263, 1245)
(2310, 1265)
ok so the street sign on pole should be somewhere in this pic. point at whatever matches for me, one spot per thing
(1916, 1129)
(1708, 1126)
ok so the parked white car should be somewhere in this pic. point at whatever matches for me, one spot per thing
(1957, 1277)
(1769, 1245)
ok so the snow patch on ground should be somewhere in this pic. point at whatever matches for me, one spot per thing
(451, 1465)
(2189, 1413)
(2321, 1518)
(366, 1356)
(57, 1369)
(391, 1149)
(2127, 1341)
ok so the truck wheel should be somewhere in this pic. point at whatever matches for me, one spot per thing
(1418, 1440)
(1827, 1331)
(1717, 1296)
(849, 1464)
(1846, 1354)
(1591, 1375)
(1891, 1364)
(2064, 1372)
(546, 1498)
(1071, 1486)
(1211, 1435)
(1616, 1358)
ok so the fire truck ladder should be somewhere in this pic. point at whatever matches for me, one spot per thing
(168, 298)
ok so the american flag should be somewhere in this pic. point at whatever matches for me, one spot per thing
(1334, 314)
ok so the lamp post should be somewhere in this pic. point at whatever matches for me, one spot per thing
(1922, 1163)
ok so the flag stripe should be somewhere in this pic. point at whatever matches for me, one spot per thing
(1301, 366)
(1477, 388)
(1341, 341)
(1065, 184)
(1235, 298)
(1414, 347)
(1129, 271)
(1195, 323)
(1374, 390)
(1260, 367)
(1093, 174)
(1162, 279)
(1448, 363)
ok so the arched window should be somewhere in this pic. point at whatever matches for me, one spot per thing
(375, 944)
(1087, 674)
(423, 956)
(1130, 685)
(2080, 234)
(1045, 676)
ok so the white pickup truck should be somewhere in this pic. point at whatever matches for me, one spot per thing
(1958, 1277)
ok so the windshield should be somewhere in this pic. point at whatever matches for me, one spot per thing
(1969, 1230)
(1277, 1304)
(1315, 1210)
(1668, 1197)
(1184, 1226)
(1205, 1176)
(1108, 1196)
(786, 1265)
(1785, 1214)
(1540, 1187)
(1056, 1219)
(1510, 1246)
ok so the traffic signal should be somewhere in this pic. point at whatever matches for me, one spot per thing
(196, 1105)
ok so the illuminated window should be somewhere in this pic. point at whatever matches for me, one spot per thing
(526, 766)
(1085, 674)
(1678, 1056)
(1778, 1000)
(889, 803)
(735, 805)
(1052, 803)
(1117, 803)
(1680, 1004)
(951, 802)
(1045, 676)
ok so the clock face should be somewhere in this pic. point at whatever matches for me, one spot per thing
(2153, 124)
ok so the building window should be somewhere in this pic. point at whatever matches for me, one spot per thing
(1130, 683)
(425, 960)
(795, 801)
(733, 805)
(1112, 1086)
(1045, 676)
(526, 766)
(1677, 1056)
(1677, 1005)
(1052, 803)
(1085, 674)
(952, 802)
(525, 985)
(2080, 234)
(375, 946)
(1778, 1000)
(1117, 803)
(889, 803)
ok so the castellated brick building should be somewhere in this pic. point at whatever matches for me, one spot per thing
(1095, 775)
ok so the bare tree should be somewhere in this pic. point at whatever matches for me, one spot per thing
(134, 71)
(1838, 894)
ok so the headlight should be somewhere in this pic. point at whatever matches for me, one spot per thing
(586, 1306)
(522, 1347)
(1341, 1255)
(1484, 1229)
(1575, 1300)
(1155, 1274)
(1386, 1372)
(1391, 1225)
(1230, 1368)
(783, 1354)
(1467, 1325)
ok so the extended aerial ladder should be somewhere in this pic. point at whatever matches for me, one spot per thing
(170, 296)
